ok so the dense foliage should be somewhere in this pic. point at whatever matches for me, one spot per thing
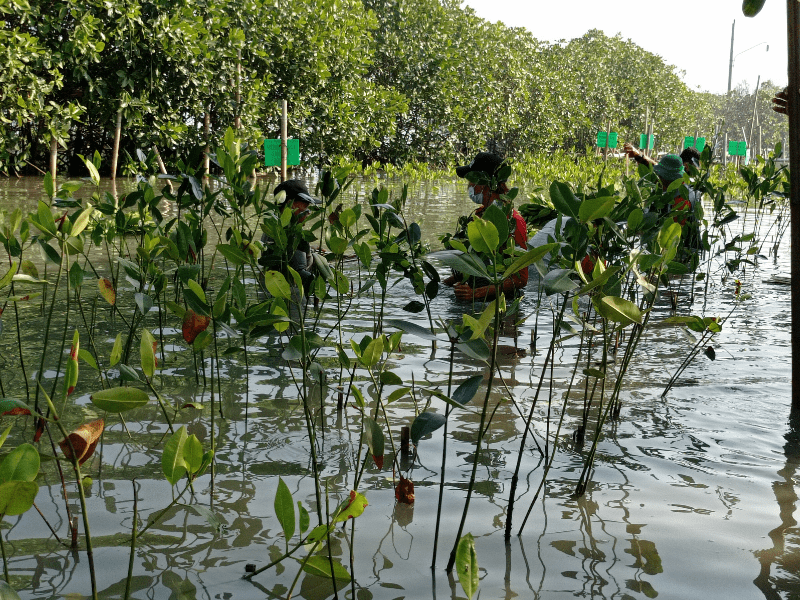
(369, 80)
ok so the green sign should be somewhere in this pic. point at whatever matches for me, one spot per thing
(737, 148)
(602, 137)
(272, 152)
(690, 142)
(645, 143)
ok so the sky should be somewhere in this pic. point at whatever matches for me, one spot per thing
(694, 36)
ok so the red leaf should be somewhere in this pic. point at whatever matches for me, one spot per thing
(378, 461)
(404, 492)
(193, 325)
(17, 411)
(84, 440)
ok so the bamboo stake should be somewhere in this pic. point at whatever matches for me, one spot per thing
(284, 127)
(115, 149)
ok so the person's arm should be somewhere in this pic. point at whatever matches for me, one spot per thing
(637, 155)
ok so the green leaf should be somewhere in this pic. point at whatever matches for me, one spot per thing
(17, 497)
(750, 8)
(598, 281)
(710, 353)
(373, 435)
(232, 254)
(305, 518)
(425, 423)
(22, 464)
(192, 454)
(10, 406)
(321, 567)
(527, 259)
(483, 235)
(465, 392)
(147, 353)
(277, 285)
(467, 565)
(411, 328)
(350, 508)
(372, 353)
(558, 281)
(6, 591)
(564, 201)
(390, 378)
(9, 275)
(172, 462)
(82, 221)
(119, 399)
(618, 310)
(284, 509)
(116, 351)
(595, 208)
(634, 220)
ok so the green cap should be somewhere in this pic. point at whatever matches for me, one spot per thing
(669, 168)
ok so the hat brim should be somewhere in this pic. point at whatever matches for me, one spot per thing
(307, 198)
(462, 171)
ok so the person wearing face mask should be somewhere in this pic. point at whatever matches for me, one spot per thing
(486, 194)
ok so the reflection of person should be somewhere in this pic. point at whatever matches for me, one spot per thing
(489, 164)
(295, 251)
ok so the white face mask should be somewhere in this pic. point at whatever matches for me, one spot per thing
(476, 198)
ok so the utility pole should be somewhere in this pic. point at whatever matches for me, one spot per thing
(730, 64)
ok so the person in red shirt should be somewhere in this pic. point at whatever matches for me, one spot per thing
(470, 288)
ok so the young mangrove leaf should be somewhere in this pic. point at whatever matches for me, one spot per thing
(17, 497)
(284, 510)
(415, 306)
(594, 373)
(558, 281)
(119, 399)
(467, 565)
(564, 201)
(172, 461)
(390, 378)
(232, 254)
(277, 285)
(9, 275)
(425, 423)
(478, 326)
(6, 591)
(483, 235)
(107, 290)
(358, 396)
(4, 435)
(71, 374)
(21, 464)
(477, 349)
(525, 260)
(350, 508)
(465, 392)
(618, 310)
(598, 281)
(127, 373)
(372, 353)
(321, 567)
(144, 303)
(116, 350)
(147, 352)
(592, 209)
(83, 440)
(305, 519)
(202, 341)
(373, 435)
(192, 454)
(411, 328)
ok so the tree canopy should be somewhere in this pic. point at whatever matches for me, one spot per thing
(386, 81)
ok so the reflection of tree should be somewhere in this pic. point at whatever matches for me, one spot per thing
(787, 579)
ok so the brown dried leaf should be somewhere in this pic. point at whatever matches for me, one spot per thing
(193, 325)
(84, 440)
(107, 290)
(404, 492)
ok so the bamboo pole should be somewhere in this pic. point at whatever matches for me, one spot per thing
(238, 120)
(206, 133)
(53, 156)
(284, 126)
(115, 149)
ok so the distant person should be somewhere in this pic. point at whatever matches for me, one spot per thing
(291, 246)
(489, 164)
(689, 156)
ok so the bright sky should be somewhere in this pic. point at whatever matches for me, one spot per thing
(693, 35)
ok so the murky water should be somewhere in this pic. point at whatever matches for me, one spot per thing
(692, 495)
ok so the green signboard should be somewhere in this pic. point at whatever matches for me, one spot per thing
(690, 142)
(602, 136)
(272, 152)
(737, 148)
(645, 143)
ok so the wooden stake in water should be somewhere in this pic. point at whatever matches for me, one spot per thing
(284, 127)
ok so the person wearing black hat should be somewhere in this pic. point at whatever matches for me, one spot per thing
(488, 188)
(294, 249)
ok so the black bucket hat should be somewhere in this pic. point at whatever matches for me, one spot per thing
(486, 162)
(295, 190)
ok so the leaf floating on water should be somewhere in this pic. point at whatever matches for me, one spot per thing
(107, 290)
(404, 492)
(84, 441)
(193, 325)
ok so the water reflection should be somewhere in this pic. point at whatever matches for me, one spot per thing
(785, 551)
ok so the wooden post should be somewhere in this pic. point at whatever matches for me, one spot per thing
(53, 156)
(115, 149)
(405, 438)
(284, 127)
(646, 130)
(725, 152)
(207, 134)
(793, 34)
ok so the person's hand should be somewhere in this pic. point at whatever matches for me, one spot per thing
(465, 292)
(451, 280)
(632, 152)
(780, 102)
